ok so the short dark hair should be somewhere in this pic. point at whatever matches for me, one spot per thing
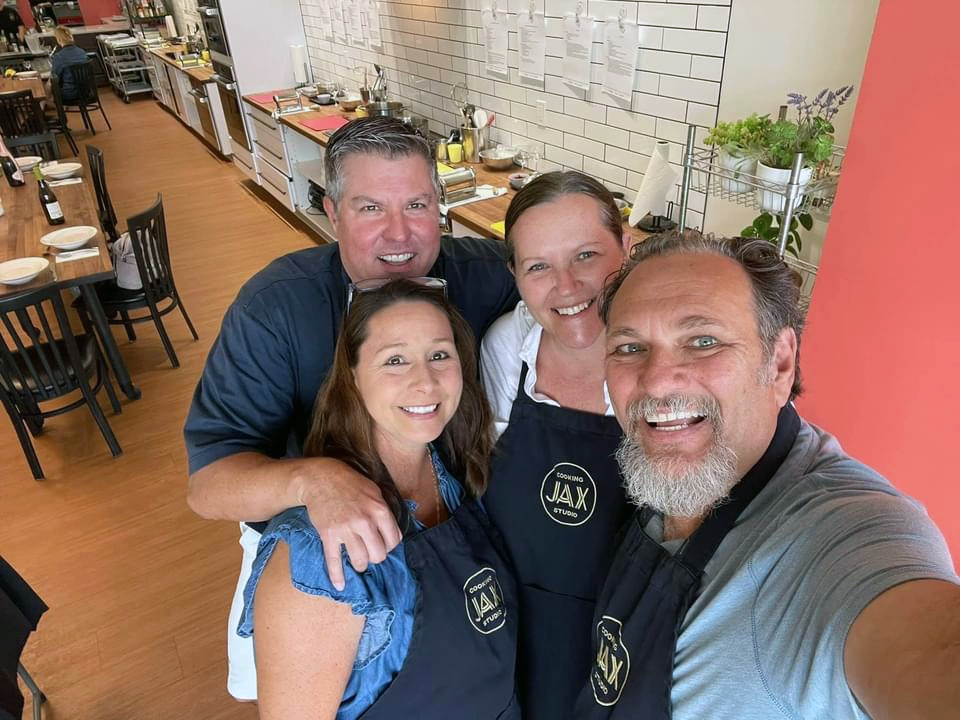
(552, 185)
(343, 429)
(387, 137)
(776, 286)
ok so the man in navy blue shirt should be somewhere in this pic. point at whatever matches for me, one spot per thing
(252, 406)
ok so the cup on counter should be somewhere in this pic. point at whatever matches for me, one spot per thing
(455, 152)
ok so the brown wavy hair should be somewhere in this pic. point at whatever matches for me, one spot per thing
(343, 429)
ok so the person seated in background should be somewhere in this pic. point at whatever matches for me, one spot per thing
(64, 57)
(431, 631)
(252, 407)
(555, 491)
(765, 572)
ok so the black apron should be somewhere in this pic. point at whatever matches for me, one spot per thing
(556, 498)
(462, 653)
(647, 595)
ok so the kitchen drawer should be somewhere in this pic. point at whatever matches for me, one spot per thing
(264, 118)
(276, 183)
(273, 152)
(270, 141)
(245, 163)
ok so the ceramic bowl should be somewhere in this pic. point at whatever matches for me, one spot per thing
(517, 180)
(22, 270)
(58, 171)
(349, 103)
(27, 162)
(69, 238)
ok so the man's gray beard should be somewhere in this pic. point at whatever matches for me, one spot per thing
(675, 486)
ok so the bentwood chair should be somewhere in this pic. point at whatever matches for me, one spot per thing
(148, 235)
(98, 174)
(24, 127)
(57, 119)
(41, 359)
(85, 81)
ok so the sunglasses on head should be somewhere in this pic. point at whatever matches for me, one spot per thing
(363, 286)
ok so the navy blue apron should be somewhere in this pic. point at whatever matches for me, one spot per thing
(462, 653)
(647, 594)
(556, 498)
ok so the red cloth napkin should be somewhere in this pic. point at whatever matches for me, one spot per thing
(265, 97)
(328, 122)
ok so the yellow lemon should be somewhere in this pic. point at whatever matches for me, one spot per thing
(10, 72)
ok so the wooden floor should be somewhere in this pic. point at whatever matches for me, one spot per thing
(139, 587)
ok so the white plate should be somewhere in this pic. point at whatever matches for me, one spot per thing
(22, 270)
(58, 171)
(69, 238)
(26, 163)
(27, 74)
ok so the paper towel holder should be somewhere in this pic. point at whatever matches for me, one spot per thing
(658, 223)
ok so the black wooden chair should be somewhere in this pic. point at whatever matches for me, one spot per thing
(148, 235)
(85, 82)
(24, 127)
(98, 174)
(57, 117)
(41, 359)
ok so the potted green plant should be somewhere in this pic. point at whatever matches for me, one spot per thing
(767, 227)
(737, 143)
(811, 134)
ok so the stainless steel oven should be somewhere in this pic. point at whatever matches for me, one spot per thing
(232, 105)
(209, 11)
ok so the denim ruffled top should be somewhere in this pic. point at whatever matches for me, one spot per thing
(385, 595)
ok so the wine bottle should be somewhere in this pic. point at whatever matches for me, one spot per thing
(10, 168)
(48, 200)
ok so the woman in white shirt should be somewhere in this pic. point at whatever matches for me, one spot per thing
(555, 491)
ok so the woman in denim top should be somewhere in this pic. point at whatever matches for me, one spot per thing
(431, 631)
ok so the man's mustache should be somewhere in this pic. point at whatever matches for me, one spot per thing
(649, 406)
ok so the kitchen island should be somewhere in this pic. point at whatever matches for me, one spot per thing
(289, 155)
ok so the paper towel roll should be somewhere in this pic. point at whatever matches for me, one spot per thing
(171, 26)
(657, 183)
(298, 57)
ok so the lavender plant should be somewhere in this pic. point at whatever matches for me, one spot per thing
(811, 133)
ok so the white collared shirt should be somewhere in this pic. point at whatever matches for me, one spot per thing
(512, 340)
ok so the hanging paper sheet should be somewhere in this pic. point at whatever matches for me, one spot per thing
(533, 44)
(495, 35)
(621, 45)
(339, 29)
(577, 44)
(326, 22)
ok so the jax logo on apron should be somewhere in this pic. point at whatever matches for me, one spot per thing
(612, 664)
(568, 494)
(484, 601)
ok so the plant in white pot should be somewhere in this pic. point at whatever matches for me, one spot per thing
(811, 134)
(738, 143)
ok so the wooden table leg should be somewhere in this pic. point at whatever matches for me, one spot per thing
(114, 357)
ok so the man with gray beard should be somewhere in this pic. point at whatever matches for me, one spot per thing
(765, 573)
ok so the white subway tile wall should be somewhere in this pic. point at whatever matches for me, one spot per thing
(429, 46)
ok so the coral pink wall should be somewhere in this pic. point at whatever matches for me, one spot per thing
(882, 351)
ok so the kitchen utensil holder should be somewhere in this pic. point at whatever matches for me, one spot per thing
(474, 140)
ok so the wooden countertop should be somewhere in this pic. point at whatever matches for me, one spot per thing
(477, 216)
(203, 73)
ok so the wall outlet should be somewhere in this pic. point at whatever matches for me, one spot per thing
(541, 115)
